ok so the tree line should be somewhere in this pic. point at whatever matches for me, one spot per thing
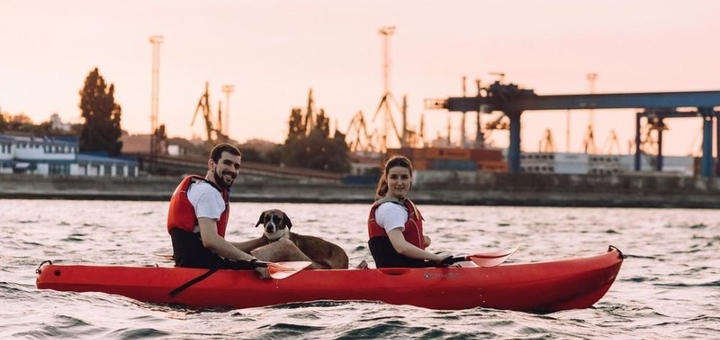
(307, 145)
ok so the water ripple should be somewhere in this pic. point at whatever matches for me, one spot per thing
(668, 285)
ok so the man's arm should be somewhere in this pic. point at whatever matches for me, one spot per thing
(249, 245)
(218, 245)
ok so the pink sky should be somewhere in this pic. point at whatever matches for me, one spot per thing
(274, 51)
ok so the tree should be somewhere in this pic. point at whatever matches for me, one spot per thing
(322, 123)
(296, 126)
(101, 131)
(317, 151)
(3, 122)
(251, 155)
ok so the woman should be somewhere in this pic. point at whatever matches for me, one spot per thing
(395, 224)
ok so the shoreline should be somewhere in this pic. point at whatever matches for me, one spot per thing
(525, 201)
(521, 191)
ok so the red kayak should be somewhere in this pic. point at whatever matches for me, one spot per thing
(538, 287)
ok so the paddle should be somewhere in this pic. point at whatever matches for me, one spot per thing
(486, 259)
(281, 270)
(276, 270)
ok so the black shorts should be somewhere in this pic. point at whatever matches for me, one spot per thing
(385, 255)
(188, 251)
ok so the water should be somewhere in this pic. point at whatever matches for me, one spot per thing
(668, 286)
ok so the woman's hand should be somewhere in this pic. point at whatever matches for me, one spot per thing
(443, 260)
(426, 241)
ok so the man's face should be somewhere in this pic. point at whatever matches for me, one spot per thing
(226, 169)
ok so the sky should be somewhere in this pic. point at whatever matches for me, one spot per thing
(274, 51)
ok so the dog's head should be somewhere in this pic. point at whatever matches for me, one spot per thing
(273, 221)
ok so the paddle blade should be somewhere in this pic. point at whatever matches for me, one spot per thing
(168, 257)
(281, 270)
(493, 258)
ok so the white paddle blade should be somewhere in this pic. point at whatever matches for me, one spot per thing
(493, 258)
(281, 270)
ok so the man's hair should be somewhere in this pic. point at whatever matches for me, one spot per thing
(217, 151)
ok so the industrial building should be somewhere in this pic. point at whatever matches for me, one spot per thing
(21, 154)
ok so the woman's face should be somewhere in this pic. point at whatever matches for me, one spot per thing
(399, 180)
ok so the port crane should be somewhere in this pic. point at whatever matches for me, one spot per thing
(214, 135)
(612, 144)
(359, 140)
(546, 143)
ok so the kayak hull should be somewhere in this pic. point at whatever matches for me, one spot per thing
(538, 287)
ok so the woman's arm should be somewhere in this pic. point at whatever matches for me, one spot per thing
(405, 248)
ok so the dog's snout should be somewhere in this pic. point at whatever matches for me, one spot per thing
(270, 226)
(273, 223)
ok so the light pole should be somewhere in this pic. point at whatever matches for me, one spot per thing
(590, 138)
(155, 40)
(228, 89)
(387, 32)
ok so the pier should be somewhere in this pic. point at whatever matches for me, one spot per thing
(484, 189)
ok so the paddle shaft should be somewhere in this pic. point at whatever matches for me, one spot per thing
(276, 271)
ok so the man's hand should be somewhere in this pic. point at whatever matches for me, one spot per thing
(262, 272)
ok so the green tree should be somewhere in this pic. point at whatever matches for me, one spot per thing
(251, 155)
(316, 151)
(3, 122)
(274, 155)
(322, 123)
(296, 126)
(101, 131)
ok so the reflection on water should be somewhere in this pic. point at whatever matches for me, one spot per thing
(668, 286)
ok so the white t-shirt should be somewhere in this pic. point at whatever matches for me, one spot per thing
(207, 201)
(391, 215)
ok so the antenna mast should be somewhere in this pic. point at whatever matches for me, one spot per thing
(590, 138)
(388, 121)
(155, 40)
(228, 89)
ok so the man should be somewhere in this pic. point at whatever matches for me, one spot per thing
(198, 217)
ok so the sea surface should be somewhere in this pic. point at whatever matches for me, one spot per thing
(668, 287)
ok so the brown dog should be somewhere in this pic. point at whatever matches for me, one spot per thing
(326, 255)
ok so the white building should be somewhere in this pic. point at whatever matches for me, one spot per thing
(57, 124)
(57, 156)
(597, 164)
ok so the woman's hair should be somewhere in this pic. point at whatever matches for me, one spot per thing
(382, 187)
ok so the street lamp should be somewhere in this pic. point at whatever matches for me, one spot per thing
(228, 89)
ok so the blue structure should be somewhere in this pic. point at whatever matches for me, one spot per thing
(512, 101)
(656, 117)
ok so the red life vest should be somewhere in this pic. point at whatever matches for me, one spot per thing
(182, 214)
(413, 232)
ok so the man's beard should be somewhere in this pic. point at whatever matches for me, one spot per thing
(221, 181)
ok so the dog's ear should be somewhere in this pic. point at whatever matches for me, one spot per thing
(260, 220)
(286, 219)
